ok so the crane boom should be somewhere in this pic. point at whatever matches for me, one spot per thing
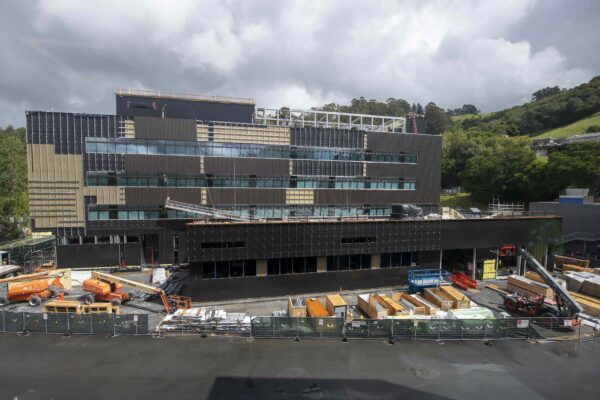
(177, 301)
(566, 299)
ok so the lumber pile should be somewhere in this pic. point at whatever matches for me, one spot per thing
(430, 309)
(459, 299)
(589, 304)
(370, 306)
(534, 276)
(436, 297)
(410, 303)
(393, 307)
(521, 284)
(577, 268)
(583, 282)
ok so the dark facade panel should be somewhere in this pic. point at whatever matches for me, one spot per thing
(219, 196)
(187, 109)
(382, 141)
(223, 166)
(280, 240)
(576, 217)
(165, 128)
(162, 164)
(330, 137)
(327, 168)
(388, 170)
(157, 196)
(481, 233)
(367, 196)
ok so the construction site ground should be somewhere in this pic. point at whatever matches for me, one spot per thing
(190, 367)
(260, 306)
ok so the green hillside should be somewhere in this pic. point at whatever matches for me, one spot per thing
(549, 109)
(572, 129)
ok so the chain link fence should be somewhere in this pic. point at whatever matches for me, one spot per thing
(66, 323)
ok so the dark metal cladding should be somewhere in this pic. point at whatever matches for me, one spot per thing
(162, 164)
(182, 108)
(165, 128)
(225, 166)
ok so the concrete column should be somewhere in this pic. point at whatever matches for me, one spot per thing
(375, 261)
(518, 261)
(441, 254)
(321, 264)
(261, 267)
(474, 263)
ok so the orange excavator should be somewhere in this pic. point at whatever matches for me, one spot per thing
(35, 288)
(109, 288)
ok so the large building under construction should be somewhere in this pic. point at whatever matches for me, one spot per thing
(240, 191)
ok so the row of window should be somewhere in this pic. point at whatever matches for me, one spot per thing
(302, 265)
(240, 182)
(227, 269)
(211, 149)
(260, 213)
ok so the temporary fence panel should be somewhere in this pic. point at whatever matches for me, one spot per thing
(64, 323)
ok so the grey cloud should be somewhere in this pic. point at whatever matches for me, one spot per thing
(73, 56)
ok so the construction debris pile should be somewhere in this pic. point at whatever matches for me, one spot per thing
(206, 320)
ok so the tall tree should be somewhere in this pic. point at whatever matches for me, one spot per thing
(437, 119)
(13, 182)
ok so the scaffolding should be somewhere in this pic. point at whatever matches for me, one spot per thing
(329, 119)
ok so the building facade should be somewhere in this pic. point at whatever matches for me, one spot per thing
(312, 191)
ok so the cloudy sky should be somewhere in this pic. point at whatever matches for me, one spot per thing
(73, 55)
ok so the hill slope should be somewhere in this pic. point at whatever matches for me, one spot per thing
(536, 117)
(572, 129)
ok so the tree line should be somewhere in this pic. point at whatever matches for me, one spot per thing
(14, 207)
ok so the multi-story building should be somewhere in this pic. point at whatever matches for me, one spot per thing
(257, 191)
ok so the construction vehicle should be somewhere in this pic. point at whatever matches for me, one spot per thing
(108, 288)
(535, 306)
(36, 288)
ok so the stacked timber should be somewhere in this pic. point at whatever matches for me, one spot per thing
(534, 276)
(370, 306)
(577, 268)
(527, 286)
(393, 307)
(459, 299)
(437, 298)
(430, 308)
(410, 303)
(590, 305)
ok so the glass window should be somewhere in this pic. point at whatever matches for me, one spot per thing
(91, 147)
(121, 148)
(123, 215)
(103, 215)
(208, 269)
(250, 268)
(132, 148)
(93, 215)
(101, 148)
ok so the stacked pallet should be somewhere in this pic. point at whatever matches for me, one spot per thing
(436, 297)
(527, 286)
(370, 306)
(430, 308)
(459, 299)
(393, 307)
(410, 303)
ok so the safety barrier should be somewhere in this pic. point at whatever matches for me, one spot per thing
(415, 329)
(66, 323)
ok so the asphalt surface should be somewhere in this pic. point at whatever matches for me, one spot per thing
(86, 367)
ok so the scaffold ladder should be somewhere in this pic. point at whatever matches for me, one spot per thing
(203, 210)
